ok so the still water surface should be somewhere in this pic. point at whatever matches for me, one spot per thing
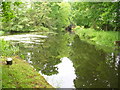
(65, 76)
(66, 61)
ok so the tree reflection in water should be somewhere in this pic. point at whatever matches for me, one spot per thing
(92, 67)
(45, 56)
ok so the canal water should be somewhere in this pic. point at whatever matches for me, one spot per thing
(66, 61)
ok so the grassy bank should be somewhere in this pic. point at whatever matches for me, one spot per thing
(20, 74)
(103, 38)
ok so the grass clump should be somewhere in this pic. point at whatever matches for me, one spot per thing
(105, 38)
(7, 49)
(21, 75)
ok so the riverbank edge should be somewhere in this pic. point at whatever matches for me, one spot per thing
(102, 39)
(21, 75)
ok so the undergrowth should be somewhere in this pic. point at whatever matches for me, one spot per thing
(7, 49)
(105, 38)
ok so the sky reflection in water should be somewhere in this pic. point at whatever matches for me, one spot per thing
(65, 76)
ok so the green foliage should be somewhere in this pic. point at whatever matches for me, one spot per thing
(43, 29)
(7, 11)
(9, 15)
(37, 16)
(17, 16)
(2, 33)
(6, 49)
(98, 15)
(60, 14)
(30, 16)
(105, 38)
(25, 16)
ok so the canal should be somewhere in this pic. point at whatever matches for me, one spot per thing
(66, 61)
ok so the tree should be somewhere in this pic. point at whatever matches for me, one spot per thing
(98, 15)
(26, 16)
(60, 14)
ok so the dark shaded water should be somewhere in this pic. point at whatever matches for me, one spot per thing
(68, 62)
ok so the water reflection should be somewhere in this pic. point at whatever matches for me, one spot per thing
(45, 56)
(94, 68)
(65, 76)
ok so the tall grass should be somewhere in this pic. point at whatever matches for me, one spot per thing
(7, 49)
(105, 38)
